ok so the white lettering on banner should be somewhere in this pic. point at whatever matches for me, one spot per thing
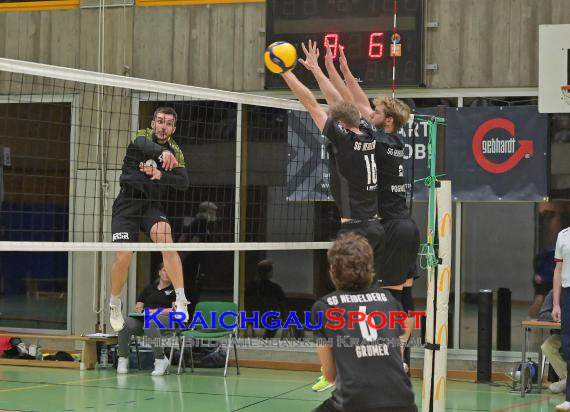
(496, 145)
(420, 152)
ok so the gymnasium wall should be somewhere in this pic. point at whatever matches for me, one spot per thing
(478, 43)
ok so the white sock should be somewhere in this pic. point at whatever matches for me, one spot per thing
(115, 300)
(180, 295)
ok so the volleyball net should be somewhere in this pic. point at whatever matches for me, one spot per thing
(259, 162)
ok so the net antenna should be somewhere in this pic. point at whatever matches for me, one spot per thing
(566, 93)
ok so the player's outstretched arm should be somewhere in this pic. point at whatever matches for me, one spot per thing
(358, 95)
(306, 98)
(311, 63)
(335, 78)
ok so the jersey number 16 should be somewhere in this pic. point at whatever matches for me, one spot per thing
(371, 169)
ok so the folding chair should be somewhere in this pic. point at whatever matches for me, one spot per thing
(219, 332)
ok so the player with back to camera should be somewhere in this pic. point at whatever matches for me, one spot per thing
(153, 163)
(369, 376)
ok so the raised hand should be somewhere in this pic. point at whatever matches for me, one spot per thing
(328, 55)
(151, 171)
(311, 61)
(342, 60)
(169, 161)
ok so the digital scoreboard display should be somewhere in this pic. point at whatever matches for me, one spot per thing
(363, 27)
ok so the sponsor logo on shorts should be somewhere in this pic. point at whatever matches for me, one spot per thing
(120, 236)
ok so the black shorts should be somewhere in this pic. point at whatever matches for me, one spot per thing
(402, 244)
(373, 231)
(133, 213)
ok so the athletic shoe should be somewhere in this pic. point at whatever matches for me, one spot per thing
(564, 406)
(161, 366)
(182, 306)
(558, 387)
(116, 318)
(321, 385)
(123, 365)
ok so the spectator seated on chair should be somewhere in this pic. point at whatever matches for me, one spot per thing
(159, 294)
(551, 348)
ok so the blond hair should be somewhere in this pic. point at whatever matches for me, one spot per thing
(394, 108)
(345, 112)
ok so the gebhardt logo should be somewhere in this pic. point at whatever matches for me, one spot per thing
(482, 147)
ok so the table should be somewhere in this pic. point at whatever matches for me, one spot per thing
(527, 326)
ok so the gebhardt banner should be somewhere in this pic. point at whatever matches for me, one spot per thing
(497, 153)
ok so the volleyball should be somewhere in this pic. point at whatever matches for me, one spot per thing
(280, 57)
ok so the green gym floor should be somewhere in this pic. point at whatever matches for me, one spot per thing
(255, 390)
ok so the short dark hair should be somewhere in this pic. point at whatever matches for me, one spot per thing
(351, 262)
(166, 110)
(345, 112)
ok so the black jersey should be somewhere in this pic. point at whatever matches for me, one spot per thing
(390, 160)
(145, 149)
(154, 298)
(353, 171)
(369, 370)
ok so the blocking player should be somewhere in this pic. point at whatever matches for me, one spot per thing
(352, 155)
(152, 164)
(402, 234)
(396, 266)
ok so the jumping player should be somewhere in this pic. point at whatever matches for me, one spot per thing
(153, 163)
(352, 158)
(388, 116)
